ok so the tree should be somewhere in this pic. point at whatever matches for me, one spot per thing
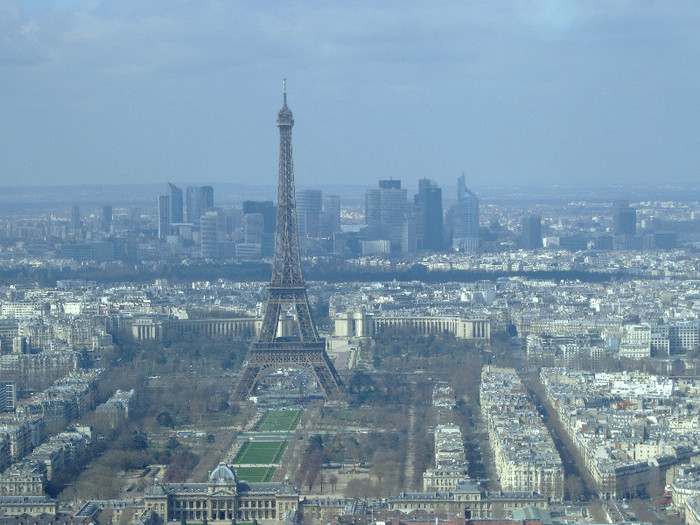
(315, 443)
(311, 477)
(165, 419)
(333, 480)
(139, 440)
(172, 444)
(360, 488)
(183, 520)
(360, 382)
(314, 468)
(574, 487)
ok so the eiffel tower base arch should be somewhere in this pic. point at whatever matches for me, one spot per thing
(263, 359)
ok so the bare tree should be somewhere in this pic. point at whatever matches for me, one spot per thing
(333, 480)
(314, 468)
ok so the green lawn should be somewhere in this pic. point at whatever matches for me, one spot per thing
(260, 453)
(255, 474)
(278, 420)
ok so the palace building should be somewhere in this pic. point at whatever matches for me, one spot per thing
(223, 499)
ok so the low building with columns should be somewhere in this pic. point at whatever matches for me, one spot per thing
(223, 499)
(157, 329)
(361, 324)
(347, 324)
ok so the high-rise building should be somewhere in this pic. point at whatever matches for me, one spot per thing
(624, 218)
(531, 238)
(266, 208)
(193, 209)
(163, 216)
(253, 227)
(385, 213)
(75, 218)
(207, 198)
(176, 204)
(269, 212)
(209, 234)
(309, 204)
(330, 216)
(465, 219)
(373, 216)
(106, 221)
(428, 215)
(198, 200)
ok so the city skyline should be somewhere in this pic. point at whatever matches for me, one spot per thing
(529, 93)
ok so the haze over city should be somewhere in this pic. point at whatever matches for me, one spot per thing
(511, 93)
(469, 295)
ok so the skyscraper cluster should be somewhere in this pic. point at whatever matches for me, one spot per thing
(247, 232)
(317, 216)
(403, 227)
(173, 209)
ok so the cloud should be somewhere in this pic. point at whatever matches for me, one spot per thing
(18, 44)
(156, 87)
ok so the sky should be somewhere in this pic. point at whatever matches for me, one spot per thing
(512, 93)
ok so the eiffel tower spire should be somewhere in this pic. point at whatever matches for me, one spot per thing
(303, 348)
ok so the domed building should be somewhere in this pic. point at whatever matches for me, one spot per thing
(223, 498)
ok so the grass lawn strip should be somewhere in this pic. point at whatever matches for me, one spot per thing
(260, 453)
(255, 474)
(278, 420)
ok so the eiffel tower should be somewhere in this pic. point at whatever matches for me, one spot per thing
(303, 349)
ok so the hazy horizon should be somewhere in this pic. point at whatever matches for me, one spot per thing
(37, 199)
(527, 93)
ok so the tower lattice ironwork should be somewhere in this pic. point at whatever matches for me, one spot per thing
(302, 348)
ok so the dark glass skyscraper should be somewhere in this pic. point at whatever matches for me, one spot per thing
(106, 218)
(624, 218)
(75, 217)
(309, 204)
(163, 216)
(465, 219)
(193, 209)
(176, 204)
(531, 238)
(197, 202)
(206, 194)
(428, 209)
(330, 217)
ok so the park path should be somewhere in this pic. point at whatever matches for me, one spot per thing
(411, 449)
